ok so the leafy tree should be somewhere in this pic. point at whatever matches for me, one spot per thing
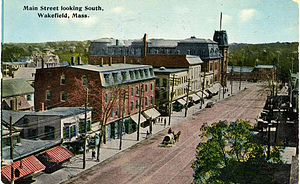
(103, 101)
(228, 153)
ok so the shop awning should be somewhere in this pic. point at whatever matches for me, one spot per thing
(181, 101)
(195, 97)
(153, 113)
(29, 165)
(213, 89)
(199, 94)
(135, 118)
(58, 154)
(206, 94)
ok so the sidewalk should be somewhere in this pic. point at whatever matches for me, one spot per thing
(74, 167)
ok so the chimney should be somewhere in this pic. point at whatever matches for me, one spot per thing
(110, 61)
(43, 62)
(79, 60)
(145, 45)
(73, 60)
(101, 62)
(42, 108)
(124, 59)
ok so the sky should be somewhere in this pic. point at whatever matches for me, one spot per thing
(246, 21)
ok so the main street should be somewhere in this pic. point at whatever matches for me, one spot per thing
(147, 163)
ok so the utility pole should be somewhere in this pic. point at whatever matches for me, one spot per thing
(123, 115)
(187, 98)
(85, 128)
(202, 99)
(240, 79)
(172, 95)
(231, 79)
(140, 110)
(11, 149)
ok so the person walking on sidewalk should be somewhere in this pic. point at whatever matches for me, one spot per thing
(165, 122)
(93, 154)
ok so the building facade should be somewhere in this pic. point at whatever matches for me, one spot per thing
(106, 85)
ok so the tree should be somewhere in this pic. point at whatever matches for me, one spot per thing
(228, 153)
(103, 100)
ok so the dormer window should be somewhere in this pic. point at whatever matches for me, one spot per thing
(106, 78)
(124, 76)
(146, 73)
(131, 75)
(142, 73)
(115, 76)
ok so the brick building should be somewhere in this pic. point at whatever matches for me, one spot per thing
(212, 53)
(108, 83)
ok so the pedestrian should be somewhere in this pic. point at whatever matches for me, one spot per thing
(93, 154)
(158, 119)
(147, 134)
(165, 122)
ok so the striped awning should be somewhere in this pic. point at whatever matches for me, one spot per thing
(181, 101)
(29, 165)
(195, 97)
(135, 118)
(153, 113)
(58, 154)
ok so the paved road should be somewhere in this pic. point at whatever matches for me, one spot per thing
(148, 163)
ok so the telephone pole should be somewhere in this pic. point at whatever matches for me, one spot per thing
(202, 99)
(123, 115)
(172, 95)
(85, 128)
(11, 149)
(187, 98)
(140, 110)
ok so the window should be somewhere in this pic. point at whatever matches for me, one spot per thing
(84, 80)
(63, 80)
(106, 78)
(132, 105)
(146, 87)
(117, 111)
(141, 73)
(112, 113)
(115, 76)
(32, 133)
(124, 76)
(137, 75)
(48, 95)
(137, 90)
(131, 75)
(146, 101)
(151, 72)
(157, 82)
(137, 104)
(29, 97)
(63, 96)
(146, 73)
(50, 132)
(106, 97)
(165, 82)
(152, 100)
(151, 86)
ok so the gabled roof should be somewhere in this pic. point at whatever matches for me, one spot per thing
(26, 73)
(15, 87)
(197, 40)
